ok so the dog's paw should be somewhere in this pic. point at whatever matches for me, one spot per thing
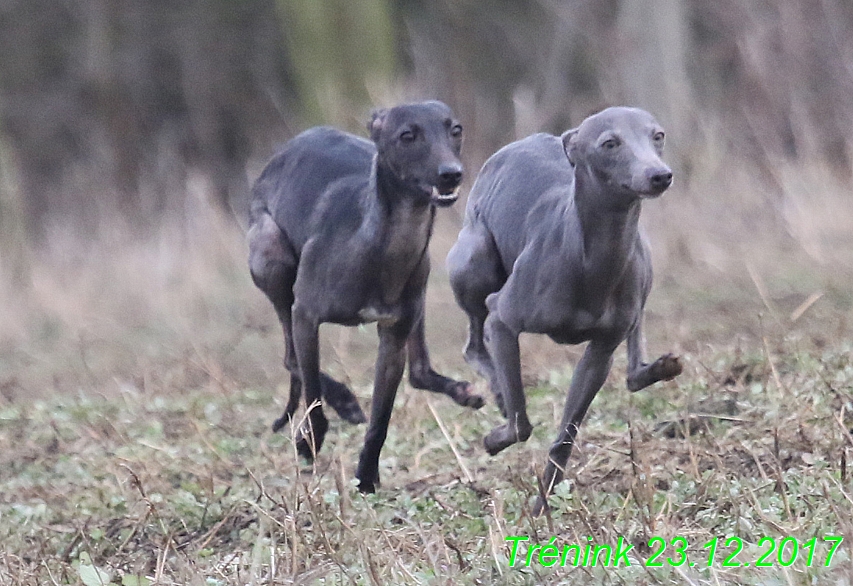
(504, 436)
(667, 367)
(340, 398)
(352, 412)
(304, 449)
(280, 423)
(368, 486)
(494, 443)
(311, 438)
(540, 506)
(463, 395)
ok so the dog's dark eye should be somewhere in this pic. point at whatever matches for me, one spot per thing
(456, 131)
(610, 144)
(407, 136)
(659, 137)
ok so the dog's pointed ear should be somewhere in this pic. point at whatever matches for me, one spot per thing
(569, 139)
(374, 127)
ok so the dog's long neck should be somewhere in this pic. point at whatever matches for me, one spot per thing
(401, 226)
(610, 232)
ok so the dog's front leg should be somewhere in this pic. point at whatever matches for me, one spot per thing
(502, 345)
(389, 371)
(587, 380)
(640, 374)
(306, 343)
(422, 375)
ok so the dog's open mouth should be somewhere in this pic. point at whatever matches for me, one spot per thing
(444, 197)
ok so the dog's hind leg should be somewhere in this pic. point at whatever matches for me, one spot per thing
(306, 342)
(641, 374)
(337, 395)
(273, 265)
(422, 376)
(503, 345)
(475, 273)
(282, 308)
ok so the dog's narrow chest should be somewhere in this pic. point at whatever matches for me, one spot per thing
(403, 246)
(582, 325)
(569, 311)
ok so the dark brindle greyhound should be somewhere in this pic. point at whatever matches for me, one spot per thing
(339, 233)
(551, 245)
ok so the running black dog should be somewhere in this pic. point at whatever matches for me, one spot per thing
(339, 232)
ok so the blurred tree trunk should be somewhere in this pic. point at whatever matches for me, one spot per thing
(112, 106)
(344, 56)
(14, 265)
(37, 109)
(653, 53)
(116, 139)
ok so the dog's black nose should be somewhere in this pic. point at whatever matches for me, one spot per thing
(661, 181)
(450, 174)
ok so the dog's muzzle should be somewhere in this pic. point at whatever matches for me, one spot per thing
(449, 178)
(653, 185)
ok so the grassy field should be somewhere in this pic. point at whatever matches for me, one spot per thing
(138, 384)
(191, 487)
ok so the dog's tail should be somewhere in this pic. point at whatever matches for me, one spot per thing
(259, 203)
(257, 209)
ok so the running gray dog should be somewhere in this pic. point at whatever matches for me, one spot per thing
(339, 232)
(550, 245)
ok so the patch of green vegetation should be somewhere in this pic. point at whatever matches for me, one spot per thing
(192, 487)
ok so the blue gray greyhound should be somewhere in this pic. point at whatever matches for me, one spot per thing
(339, 232)
(550, 245)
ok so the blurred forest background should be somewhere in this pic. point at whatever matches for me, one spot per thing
(130, 132)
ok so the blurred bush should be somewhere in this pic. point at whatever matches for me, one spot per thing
(129, 132)
(108, 108)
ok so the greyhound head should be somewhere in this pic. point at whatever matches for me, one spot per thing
(621, 148)
(420, 144)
